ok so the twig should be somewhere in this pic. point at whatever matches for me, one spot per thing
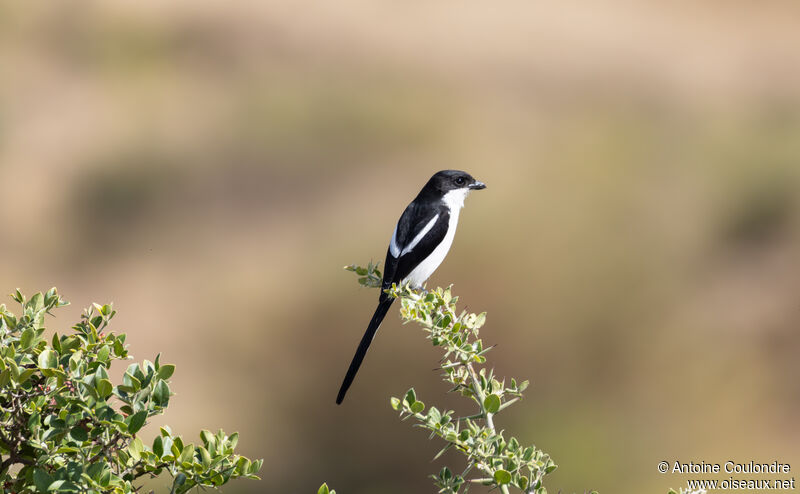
(476, 385)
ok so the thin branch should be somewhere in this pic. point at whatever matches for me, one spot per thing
(471, 417)
(508, 403)
(107, 448)
(476, 385)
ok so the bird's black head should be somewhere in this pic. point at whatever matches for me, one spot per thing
(447, 180)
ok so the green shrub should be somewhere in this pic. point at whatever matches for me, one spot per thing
(491, 459)
(65, 427)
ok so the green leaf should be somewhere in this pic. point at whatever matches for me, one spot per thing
(165, 371)
(26, 339)
(41, 479)
(136, 421)
(12, 366)
(34, 421)
(395, 403)
(528, 453)
(36, 302)
(48, 359)
(158, 446)
(502, 477)
(411, 396)
(492, 403)
(72, 343)
(135, 449)
(130, 381)
(55, 486)
(207, 437)
(103, 353)
(25, 375)
(242, 465)
(177, 447)
(233, 440)
(56, 342)
(119, 348)
(105, 478)
(187, 454)
(51, 297)
(161, 393)
(10, 320)
(205, 457)
(417, 407)
(79, 433)
(180, 479)
(101, 372)
(95, 471)
(166, 445)
(104, 387)
(323, 489)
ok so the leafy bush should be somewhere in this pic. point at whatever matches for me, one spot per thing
(501, 463)
(491, 459)
(64, 427)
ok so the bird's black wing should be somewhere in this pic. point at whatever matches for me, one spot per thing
(411, 249)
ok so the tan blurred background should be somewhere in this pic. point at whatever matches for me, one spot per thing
(210, 167)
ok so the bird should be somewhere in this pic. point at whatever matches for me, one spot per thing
(420, 241)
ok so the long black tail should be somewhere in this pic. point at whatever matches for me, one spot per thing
(374, 324)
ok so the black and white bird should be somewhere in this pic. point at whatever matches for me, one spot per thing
(421, 239)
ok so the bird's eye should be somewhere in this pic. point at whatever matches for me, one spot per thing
(460, 181)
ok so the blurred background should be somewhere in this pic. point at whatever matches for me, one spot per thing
(210, 167)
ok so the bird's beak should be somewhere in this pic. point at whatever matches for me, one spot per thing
(477, 185)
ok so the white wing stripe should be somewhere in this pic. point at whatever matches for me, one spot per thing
(408, 248)
(393, 248)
